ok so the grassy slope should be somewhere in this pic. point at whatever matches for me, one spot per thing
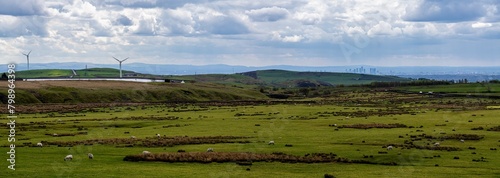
(100, 72)
(473, 89)
(43, 73)
(287, 78)
(112, 91)
(458, 88)
(88, 73)
(282, 77)
(264, 77)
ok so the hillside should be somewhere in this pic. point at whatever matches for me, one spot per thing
(66, 73)
(311, 79)
(117, 91)
(283, 78)
(271, 78)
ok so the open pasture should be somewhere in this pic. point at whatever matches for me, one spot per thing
(357, 133)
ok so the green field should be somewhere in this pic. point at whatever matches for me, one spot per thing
(44, 73)
(458, 88)
(308, 127)
(66, 73)
(274, 78)
(73, 92)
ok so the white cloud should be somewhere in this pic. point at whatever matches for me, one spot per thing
(481, 25)
(384, 28)
(294, 38)
(212, 31)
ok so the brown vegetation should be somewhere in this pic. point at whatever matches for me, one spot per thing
(221, 157)
(374, 125)
(154, 142)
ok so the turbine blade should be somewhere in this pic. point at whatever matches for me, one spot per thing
(29, 53)
(124, 59)
(116, 59)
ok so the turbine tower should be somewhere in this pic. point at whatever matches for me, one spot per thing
(28, 59)
(120, 65)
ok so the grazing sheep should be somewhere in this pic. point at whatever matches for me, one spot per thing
(389, 147)
(68, 157)
(132, 137)
(158, 135)
(462, 140)
(55, 135)
(39, 144)
(210, 150)
(271, 142)
(436, 144)
(90, 155)
(146, 152)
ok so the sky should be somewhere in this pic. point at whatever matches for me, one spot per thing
(253, 33)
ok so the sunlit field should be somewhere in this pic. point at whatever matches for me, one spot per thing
(357, 133)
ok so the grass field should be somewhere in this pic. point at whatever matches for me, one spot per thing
(458, 88)
(308, 127)
(64, 73)
(114, 91)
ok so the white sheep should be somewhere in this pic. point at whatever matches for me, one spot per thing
(389, 147)
(271, 142)
(210, 150)
(90, 155)
(132, 137)
(146, 152)
(462, 140)
(158, 135)
(68, 157)
(436, 144)
(39, 144)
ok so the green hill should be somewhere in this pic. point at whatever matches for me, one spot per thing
(283, 78)
(123, 92)
(44, 73)
(305, 79)
(65, 73)
(275, 78)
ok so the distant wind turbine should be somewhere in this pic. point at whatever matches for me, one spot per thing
(120, 65)
(28, 59)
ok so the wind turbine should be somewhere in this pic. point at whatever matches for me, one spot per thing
(28, 59)
(120, 65)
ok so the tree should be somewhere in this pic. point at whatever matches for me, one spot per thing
(4, 76)
(304, 91)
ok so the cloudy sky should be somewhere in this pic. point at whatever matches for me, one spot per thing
(253, 32)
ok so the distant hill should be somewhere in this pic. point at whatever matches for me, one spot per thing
(285, 78)
(275, 78)
(471, 73)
